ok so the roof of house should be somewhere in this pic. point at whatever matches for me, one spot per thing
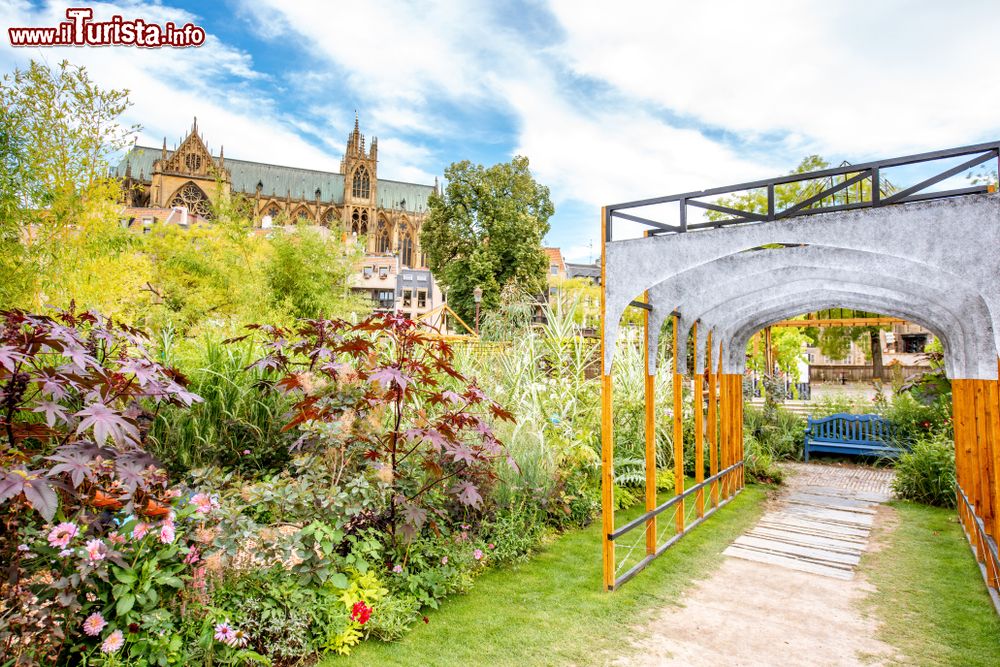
(555, 257)
(278, 181)
(583, 270)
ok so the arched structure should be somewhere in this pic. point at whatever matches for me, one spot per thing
(934, 260)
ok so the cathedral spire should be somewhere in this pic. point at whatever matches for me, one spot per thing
(356, 128)
(222, 157)
(163, 153)
(194, 126)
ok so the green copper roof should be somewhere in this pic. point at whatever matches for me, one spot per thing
(278, 181)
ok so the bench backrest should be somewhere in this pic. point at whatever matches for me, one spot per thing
(843, 427)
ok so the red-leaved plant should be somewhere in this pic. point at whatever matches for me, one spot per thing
(75, 389)
(387, 393)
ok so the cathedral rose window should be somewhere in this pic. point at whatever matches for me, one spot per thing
(194, 198)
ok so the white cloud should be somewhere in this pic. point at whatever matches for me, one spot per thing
(854, 77)
(170, 86)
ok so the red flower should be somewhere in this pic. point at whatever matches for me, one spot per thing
(361, 612)
(426, 620)
(926, 424)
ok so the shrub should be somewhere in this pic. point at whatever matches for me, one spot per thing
(236, 426)
(926, 474)
(913, 420)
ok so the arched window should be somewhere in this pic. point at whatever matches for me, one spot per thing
(359, 223)
(192, 161)
(194, 198)
(361, 187)
(273, 211)
(328, 217)
(405, 245)
(302, 215)
(383, 242)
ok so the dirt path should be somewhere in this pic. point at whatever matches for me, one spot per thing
(787, 593)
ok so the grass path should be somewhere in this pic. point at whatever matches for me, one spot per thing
(929, 594)
(550, 610)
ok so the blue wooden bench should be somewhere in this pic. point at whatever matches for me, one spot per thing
(842, 433)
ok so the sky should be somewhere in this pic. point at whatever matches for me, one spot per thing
(610, 101)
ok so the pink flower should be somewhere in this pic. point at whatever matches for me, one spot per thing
(239, 638)
(204, 502)
(66, 552)
(224, 632)
(96, 550)
(478, 554)
(23, 547)
(246, 452)
(167, 533)
(172, 493)
(116, 538)
(63, 534)
(444, 560)
(491, 546)
(192, 556)
(198, 580)
(94, 624)
(140, 530)
(114, 642)
(398, 569)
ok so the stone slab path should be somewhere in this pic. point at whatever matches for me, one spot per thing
(788, 593)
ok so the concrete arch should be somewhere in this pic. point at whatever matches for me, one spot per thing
(977, 354)
(694, 296)
(957, 236)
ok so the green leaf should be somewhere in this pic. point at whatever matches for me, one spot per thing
(124, 576)
(339, 580)
(172, 581)
(125, 604)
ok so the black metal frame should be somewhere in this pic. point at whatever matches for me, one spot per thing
(854, 173)
(643, 518)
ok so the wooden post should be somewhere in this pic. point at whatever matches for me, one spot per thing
(738, 382)
(678, 386)
(723, 427)
(607, 435)
(991, 450)
(649, 398)
(961, 459)
(713, 452)
(768, 353)
(982, 439)
(965, 430)
(699, 425)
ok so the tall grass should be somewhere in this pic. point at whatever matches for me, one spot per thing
(238, 425)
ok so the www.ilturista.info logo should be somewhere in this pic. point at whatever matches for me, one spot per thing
(80, 30)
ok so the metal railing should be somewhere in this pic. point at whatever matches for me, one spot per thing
(640, 521)
(852, 175)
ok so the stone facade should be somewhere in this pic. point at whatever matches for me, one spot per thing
(386, 214)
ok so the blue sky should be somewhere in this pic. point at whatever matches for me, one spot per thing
(610, 101)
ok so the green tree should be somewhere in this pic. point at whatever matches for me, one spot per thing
(58, 133)
(308, 274)
(486, 231)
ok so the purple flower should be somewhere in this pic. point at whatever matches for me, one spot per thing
(478, 554)
(96, 551)
(114, 642)
(167, 533)
(94, 624)
(63, 534)
(444, 560)
(224, 632)
(398, 569)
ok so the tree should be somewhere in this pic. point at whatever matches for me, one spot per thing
(58, 133)
(486, 231)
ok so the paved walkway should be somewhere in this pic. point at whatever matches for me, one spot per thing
(787, 594)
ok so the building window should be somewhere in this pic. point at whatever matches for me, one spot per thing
(407, 300)
(405, 245)
(386, 299)
(359, 223)
(554, 269)
(361, 187)
(303, 215)
(382, 240)
(328, 217)
(383, 272)
(273, 211)
(367, 272)
(192, 161)
(194, 199)
(421, 298)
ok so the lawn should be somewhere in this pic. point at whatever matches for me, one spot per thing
(550, 610)
(930, 596)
